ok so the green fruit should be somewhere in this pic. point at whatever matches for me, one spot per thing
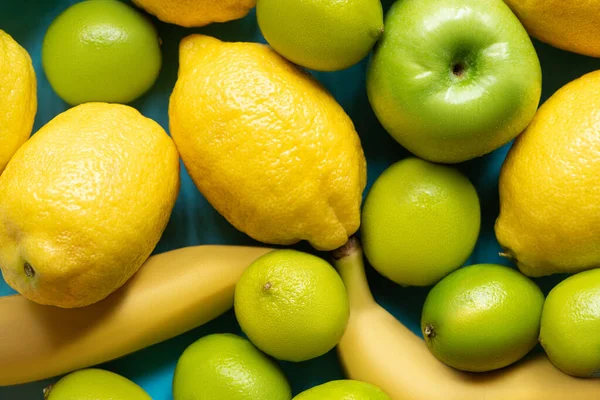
(343, 390)
(226, 366)
(95, 384)
(321, 34)
(454, 79)
(292, 305)
(482, 317)
(420, 222)
(570, 331)
(101, 51)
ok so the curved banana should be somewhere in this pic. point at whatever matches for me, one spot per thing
(172, 293)
(378, 349)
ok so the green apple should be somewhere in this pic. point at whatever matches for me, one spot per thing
(452, 80)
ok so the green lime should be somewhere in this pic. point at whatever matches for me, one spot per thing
(482, 317)
(96, 384)
(420, 222)
(101, 50)
(292, 305)
(226, 366)
(343, 390)
(570, 330)
(321, 34)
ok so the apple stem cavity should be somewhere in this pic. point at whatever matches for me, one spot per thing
(458, 69)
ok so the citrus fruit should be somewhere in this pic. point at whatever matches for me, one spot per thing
(226, 366)
(292, 305)
(96, 384)
(321, 34)
(420, 222)
(269, 148)
(571, 26)
(102, 51)
(482, 317)
(18, 98)
(84, 202)
(549, 218)
(570, 328)
(196, 12)
(343, 390)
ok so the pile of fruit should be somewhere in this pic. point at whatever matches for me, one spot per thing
(85, 200)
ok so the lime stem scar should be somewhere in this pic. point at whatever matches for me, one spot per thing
(267, 286)
(429, 331)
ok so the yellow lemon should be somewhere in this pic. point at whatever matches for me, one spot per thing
(267, 145)
(568, 25)
(18, 100)
(84, 202)
(549, 194)
(196, 12)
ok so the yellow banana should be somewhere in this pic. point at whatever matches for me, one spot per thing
(172, 293)
(378, 349)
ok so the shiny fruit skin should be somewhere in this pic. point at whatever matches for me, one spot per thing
(226, 366)
(452, 80)
(343, 390)
(101, 51)
(292, 305)
(322, 35)
(18, 97)
(172, 293)
(266, 144)
(190, 13)
(420, 222)
(84, 202)
(95, 384)
(378, 349)
(482, 317)
(570, 331)
(571, 26)
(549, 218)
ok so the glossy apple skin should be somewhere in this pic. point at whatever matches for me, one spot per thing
(452, 80)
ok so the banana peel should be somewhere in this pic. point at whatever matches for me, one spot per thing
(376, 348)
(172, 293)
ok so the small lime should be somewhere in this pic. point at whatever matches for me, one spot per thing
(226, 366)
(96, 384)
(101, 51)
(292, 305)
(343, 390)
(570, 331)
(420, 222)
(321, 34)
(482, 317)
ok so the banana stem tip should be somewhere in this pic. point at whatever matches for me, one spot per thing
(351, 247)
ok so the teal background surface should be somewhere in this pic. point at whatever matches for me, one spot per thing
(195, 222)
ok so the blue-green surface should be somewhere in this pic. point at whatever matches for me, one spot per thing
(194, 221)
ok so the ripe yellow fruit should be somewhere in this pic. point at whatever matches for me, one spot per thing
(191, 13)
(376, 348)
(568, 25)
(172, 293)
(549, 194)
(18, 99)
(266, 144)
(84, 202)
